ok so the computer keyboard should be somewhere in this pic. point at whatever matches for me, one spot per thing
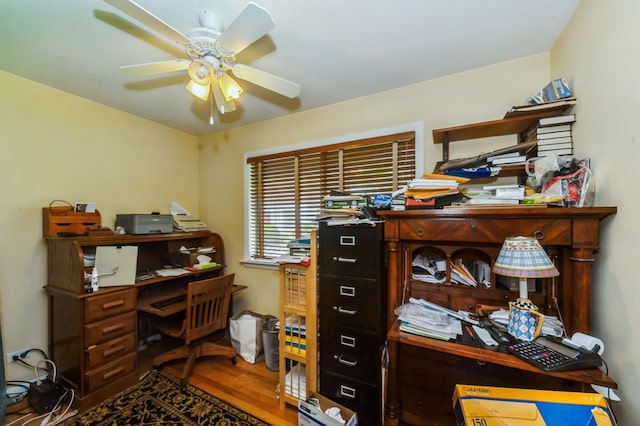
(170, 301)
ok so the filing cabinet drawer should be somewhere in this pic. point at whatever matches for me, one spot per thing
(110, 372)
(109, 304)
(352, 251)
(110, 351)
(350, 352)
(363, 398)
(351, 302)
(548, 231)
(108, 329)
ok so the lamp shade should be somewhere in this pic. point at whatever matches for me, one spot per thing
(524, 257)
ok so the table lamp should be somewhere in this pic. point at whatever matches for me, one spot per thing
(524, 258)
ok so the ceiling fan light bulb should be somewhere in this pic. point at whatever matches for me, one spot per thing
(198, 90)
(230, 88)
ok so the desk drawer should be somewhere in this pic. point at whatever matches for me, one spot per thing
(102, 331)
(364, 398)
(350, 352)
(353, 251)
(97, 356)
(109, 304)
(110, 372)
(351, 302)
(548, 231)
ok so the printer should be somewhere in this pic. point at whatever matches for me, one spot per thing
(145, 223)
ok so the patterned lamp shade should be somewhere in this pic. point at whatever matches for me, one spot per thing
(524, 257)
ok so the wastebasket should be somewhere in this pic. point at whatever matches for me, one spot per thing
(270, 343)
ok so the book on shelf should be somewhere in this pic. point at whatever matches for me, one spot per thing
(553, 128)
(556, 152)
(554, 146)
(507, 155)
(520, 159)
(554, 135)
(554, 141)
(558, 119)
(559, 106)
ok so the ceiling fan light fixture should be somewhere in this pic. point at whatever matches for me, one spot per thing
(198, 90)
(230, 88)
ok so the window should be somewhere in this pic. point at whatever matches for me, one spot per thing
(286, 189)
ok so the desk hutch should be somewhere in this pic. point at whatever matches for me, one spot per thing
(93, 337)
(423, 371)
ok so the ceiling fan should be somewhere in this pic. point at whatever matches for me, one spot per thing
(212, 51)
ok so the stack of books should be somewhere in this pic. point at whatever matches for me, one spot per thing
(554, 135)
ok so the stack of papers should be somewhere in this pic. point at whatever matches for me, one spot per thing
(427, 270)
(433, 185)
(422, 320)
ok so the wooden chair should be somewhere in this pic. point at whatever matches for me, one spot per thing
(206, 312)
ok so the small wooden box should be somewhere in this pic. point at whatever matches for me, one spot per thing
(62, 220)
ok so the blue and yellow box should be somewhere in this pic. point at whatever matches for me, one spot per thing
(493, 406)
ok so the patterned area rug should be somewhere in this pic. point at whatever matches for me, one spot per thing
(158, 400)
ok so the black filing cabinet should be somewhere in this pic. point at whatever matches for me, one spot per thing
(353, 317)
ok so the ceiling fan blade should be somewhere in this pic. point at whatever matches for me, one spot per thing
(266, 80)
(221, 102)
(152, 68)
(145, 17)
(252, 23)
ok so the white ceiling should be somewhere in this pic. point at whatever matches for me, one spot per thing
(335, 49)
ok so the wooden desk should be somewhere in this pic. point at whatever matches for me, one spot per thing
(423, 372)
(94, 337)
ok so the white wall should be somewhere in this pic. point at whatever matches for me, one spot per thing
(59, 146)
(599, 51)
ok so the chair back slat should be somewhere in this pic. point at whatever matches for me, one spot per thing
(207, 306)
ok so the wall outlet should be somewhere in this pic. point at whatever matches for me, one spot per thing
(10, 355)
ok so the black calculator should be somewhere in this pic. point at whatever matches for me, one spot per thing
(550, 354)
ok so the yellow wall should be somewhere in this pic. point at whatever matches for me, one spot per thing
(599, 50)
(59, 146)
(478, 95)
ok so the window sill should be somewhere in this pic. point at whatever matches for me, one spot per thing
(260, 264)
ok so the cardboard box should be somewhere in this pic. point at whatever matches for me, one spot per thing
(493, 406)
(309, 414)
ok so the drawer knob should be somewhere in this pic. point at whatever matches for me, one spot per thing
(474, 225)
(539, 235)
(419, 232)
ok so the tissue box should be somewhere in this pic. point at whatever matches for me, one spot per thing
(309, 414)
(493, 406)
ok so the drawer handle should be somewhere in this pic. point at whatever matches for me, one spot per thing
(113, 328)
(112, 304)
(345, 259)
(539, 235)
(419, 232)
(112, 373)
(347, 392)
(474, 225)
(347, 341)
(112, 351)
(347, 291)
(347, 311)
(344, 361)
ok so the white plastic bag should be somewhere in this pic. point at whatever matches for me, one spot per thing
(245, 329)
